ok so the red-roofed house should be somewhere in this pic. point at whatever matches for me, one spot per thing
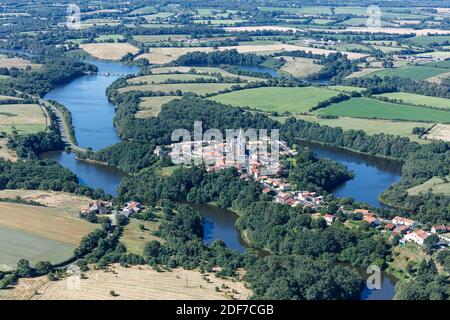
(401, 230)
(417, 236)
(371, 219)
(440, 229)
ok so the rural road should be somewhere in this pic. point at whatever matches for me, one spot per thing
(63, 126)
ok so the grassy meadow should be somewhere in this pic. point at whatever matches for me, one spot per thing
(277, 99)
(375, 109)
(417, 99)
(372, 126)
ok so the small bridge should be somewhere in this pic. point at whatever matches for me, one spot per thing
(109, 74)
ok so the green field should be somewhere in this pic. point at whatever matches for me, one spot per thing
(204, 70)
(439, 64)
(436, 185)
(15, 245)
(144, 10)
(374, 109)
(372, 126)
(318, 10)
(159, 15)
(417, 99)
(294, 100)
(411, 72)
(220, 21)
(198, 88)
(425, 41)
(105, 37)
(24, 118)
(355, 22)
(161, 78)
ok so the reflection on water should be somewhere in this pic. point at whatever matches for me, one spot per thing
(90, 174)
(274, 73)
(373, 175)
(92, 114)
(220, 224)
(386, 292)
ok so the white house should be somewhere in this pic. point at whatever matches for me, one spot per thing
(417, 236)
(400, 221)
(329, 218)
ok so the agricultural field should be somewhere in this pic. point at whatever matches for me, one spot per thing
(166, 55)
(135, 238)
(16, 244)
(375, 109)
(261, 28)
(412, 72)
(159, 38)
(23, 118)
(372, 126)
(133, 283)
(5, 152)
(68, 202)
(225, 22)
(198, 88)
(417, 99)
(144, 10)
(114, 37)
(169, 54)
(438, 132)
(300, 67)
(277, 99)
(18, 63)
(109, 51)
(387, 30)
(162, 78)
(204, 70)
(347, 89)
(424, 41)
(151, 106)
(158, 16)
(38, 233)
(435, 185)
(439, 64)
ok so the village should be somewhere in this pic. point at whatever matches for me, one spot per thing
(259, 167)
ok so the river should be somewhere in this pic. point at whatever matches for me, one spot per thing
(93, 121)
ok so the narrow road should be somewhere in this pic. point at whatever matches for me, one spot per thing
(63, 127)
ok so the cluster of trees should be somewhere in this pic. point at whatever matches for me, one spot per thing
(378, 85)
(52, 73)
(336, 99)
(41, 175)
(379, 144)
(308, 172)
(229, 57)
(432, 160)
(129, 156)
(287, 277)
(67, 115)
(336, 66)
(427, 284)
(182, 230)
(181, 114)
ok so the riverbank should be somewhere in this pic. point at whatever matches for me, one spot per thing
(400, 162)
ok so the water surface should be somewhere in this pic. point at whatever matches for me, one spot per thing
(373, 175)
